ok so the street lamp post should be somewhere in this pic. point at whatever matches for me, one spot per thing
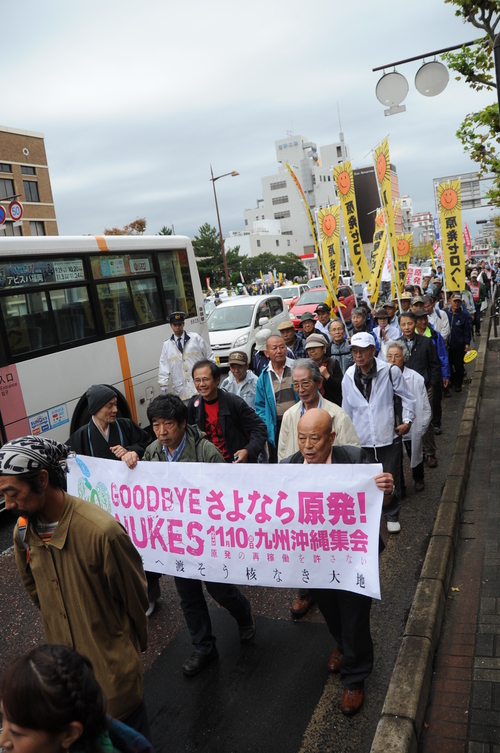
(233, 173)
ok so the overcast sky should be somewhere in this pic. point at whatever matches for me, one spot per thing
(137, 99)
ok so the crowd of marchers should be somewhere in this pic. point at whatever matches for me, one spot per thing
(367, 390)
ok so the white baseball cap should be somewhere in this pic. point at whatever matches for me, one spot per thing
(363, 340)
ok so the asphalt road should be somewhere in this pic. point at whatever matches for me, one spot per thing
(274, 694)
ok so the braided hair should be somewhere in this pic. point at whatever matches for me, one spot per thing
(49, 688)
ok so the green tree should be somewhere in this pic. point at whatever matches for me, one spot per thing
(480, 131)
(421, 253)
(289, 264)
(166, 230)
(208, 254)
(136, 227)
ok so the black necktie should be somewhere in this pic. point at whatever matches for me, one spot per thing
(179, 345)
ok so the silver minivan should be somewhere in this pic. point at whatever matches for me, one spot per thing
(234, 324)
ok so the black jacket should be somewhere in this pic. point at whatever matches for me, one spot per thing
(425, 360)
(345, 454)
(88, 440)
(333, 385)
(241, 427)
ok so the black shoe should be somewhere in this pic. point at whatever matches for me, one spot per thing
(437, 430)
(247, 629)
(197, 661)
(419, 486)
(458, 389)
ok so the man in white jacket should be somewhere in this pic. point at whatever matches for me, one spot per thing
(397, 354)
(369, 389)
(178, 356)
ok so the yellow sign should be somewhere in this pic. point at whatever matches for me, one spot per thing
(452, 241)
(378, 256)
(343, 177)
(329, 231)
(404, 244)
(383, 171)
(470, 356)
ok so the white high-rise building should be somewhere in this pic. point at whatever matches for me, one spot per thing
(282, 203)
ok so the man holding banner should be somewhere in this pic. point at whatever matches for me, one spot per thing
(346, 613)
(178, 442)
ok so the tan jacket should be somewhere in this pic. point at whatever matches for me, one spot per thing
(345, 433)
(90, 587)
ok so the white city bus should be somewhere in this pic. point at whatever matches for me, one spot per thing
(77, 311)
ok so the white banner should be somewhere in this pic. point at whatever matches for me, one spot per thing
(263, 525)
(414, 276)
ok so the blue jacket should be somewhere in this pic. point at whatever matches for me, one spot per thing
(438, 341)
(265, 405)
(460, 327)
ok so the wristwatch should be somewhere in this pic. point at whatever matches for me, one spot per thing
(407, 421)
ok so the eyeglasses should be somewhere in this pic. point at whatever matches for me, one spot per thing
(202, 380)
(305, 384)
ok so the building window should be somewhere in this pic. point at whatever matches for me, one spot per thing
(37, 228)
(278, 184)
(280, 200)
(258, 244)
(4, 168)
(246, 222)
(288, 243)
(26, 170)
(31, 190)
(339, 151)
(282, 215)
(8, 228)
(277, 242)
(287, 232)
(6, 188)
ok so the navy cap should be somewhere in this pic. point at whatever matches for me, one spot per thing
(177, 317)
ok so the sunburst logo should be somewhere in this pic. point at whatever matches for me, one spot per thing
(342, 176)
(449, 197)
(328, 224)
(382, 161)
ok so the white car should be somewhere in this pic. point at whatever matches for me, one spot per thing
(234, 324)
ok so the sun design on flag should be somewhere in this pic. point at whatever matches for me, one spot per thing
(382, 161)
(328, 225)
(380, 221)
(449, 198)
(342, 176)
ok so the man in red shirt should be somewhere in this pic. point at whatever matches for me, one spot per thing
(228, 421)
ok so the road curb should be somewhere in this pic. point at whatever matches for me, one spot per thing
(402, 718)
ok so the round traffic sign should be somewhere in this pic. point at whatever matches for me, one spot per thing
(15, 210)
(3, 215)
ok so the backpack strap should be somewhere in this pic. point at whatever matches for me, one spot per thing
(22, 524)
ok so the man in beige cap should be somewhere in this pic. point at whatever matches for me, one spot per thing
(292, 339)
(405, 301)
(241, 381)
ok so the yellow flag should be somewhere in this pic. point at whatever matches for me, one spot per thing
(332, 299)
(404, 245)
(383, 170)
(343, 177)
(452, 243)
(329, 231)
(378, 256)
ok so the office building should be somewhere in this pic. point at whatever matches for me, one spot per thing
(24, 176)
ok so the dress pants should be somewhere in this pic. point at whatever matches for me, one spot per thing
(196, 613)
(429, 438)
(456, 356)
(390, 457)
(347, 616)
(417, 472)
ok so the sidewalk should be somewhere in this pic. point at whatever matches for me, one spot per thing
(463, 714)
